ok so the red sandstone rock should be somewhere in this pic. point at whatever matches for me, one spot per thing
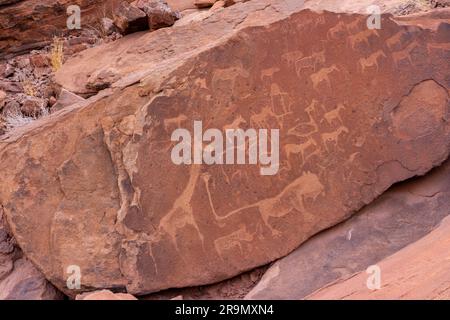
(180, 5)
(204, 3)
(105, 295)
(39, 60)
(128, 18)
(159, 14)
(31, 24)
(401, 216)
(19, 279)
(32, 106)
(357, 110)
(2, 98)
(419, 271)
(66, 99)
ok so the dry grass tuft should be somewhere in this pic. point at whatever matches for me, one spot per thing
(57, 53)
(15, 119)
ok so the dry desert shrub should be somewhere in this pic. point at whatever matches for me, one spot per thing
(14, 118)
(57, 53)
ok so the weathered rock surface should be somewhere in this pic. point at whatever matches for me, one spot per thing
(419, 271)
(396, 7)
(105, 295)
(32, 24)
(357, 109)
(19, 279)
(158, 12)
(128, 18)
(402, 215)
(231, 289)
(66, 99)
(180, 5)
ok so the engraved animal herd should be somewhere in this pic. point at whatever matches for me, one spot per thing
(307, 185)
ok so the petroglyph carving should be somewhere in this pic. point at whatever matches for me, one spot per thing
(174, 122)
(317, 58)
(234, 239)
(371, 61)
(394, 40)
(277, 95)
(356, 25)
(311, 123)
(236, 124)
(333, 137)
(307, 186)
(334, 114)
(437, 46)
(264, 117)
(405, 54)
(295, 149)
(323, 75)
(228, 74)
(336, 30)
(268, 73)
(181, 214)
(361, 37)
(292, 57)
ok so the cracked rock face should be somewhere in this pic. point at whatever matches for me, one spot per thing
(417, 272)
(357, 110)
(31, 24)
(399, 217)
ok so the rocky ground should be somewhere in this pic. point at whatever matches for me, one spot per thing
(78, 181)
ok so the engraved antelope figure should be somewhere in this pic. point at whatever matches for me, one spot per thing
(333, 136)
(371, 61)
(405, 53)
(323, 75)
(234, 239)
(334, 114)
(362, 36)
(296, 149)
(317, 58)
(395, 39)
(312, 123)
(340, 27)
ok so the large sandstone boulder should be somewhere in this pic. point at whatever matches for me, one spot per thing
(105, 295)
(95, 186)
(417, 272)
(399, 217)
(19, 279)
